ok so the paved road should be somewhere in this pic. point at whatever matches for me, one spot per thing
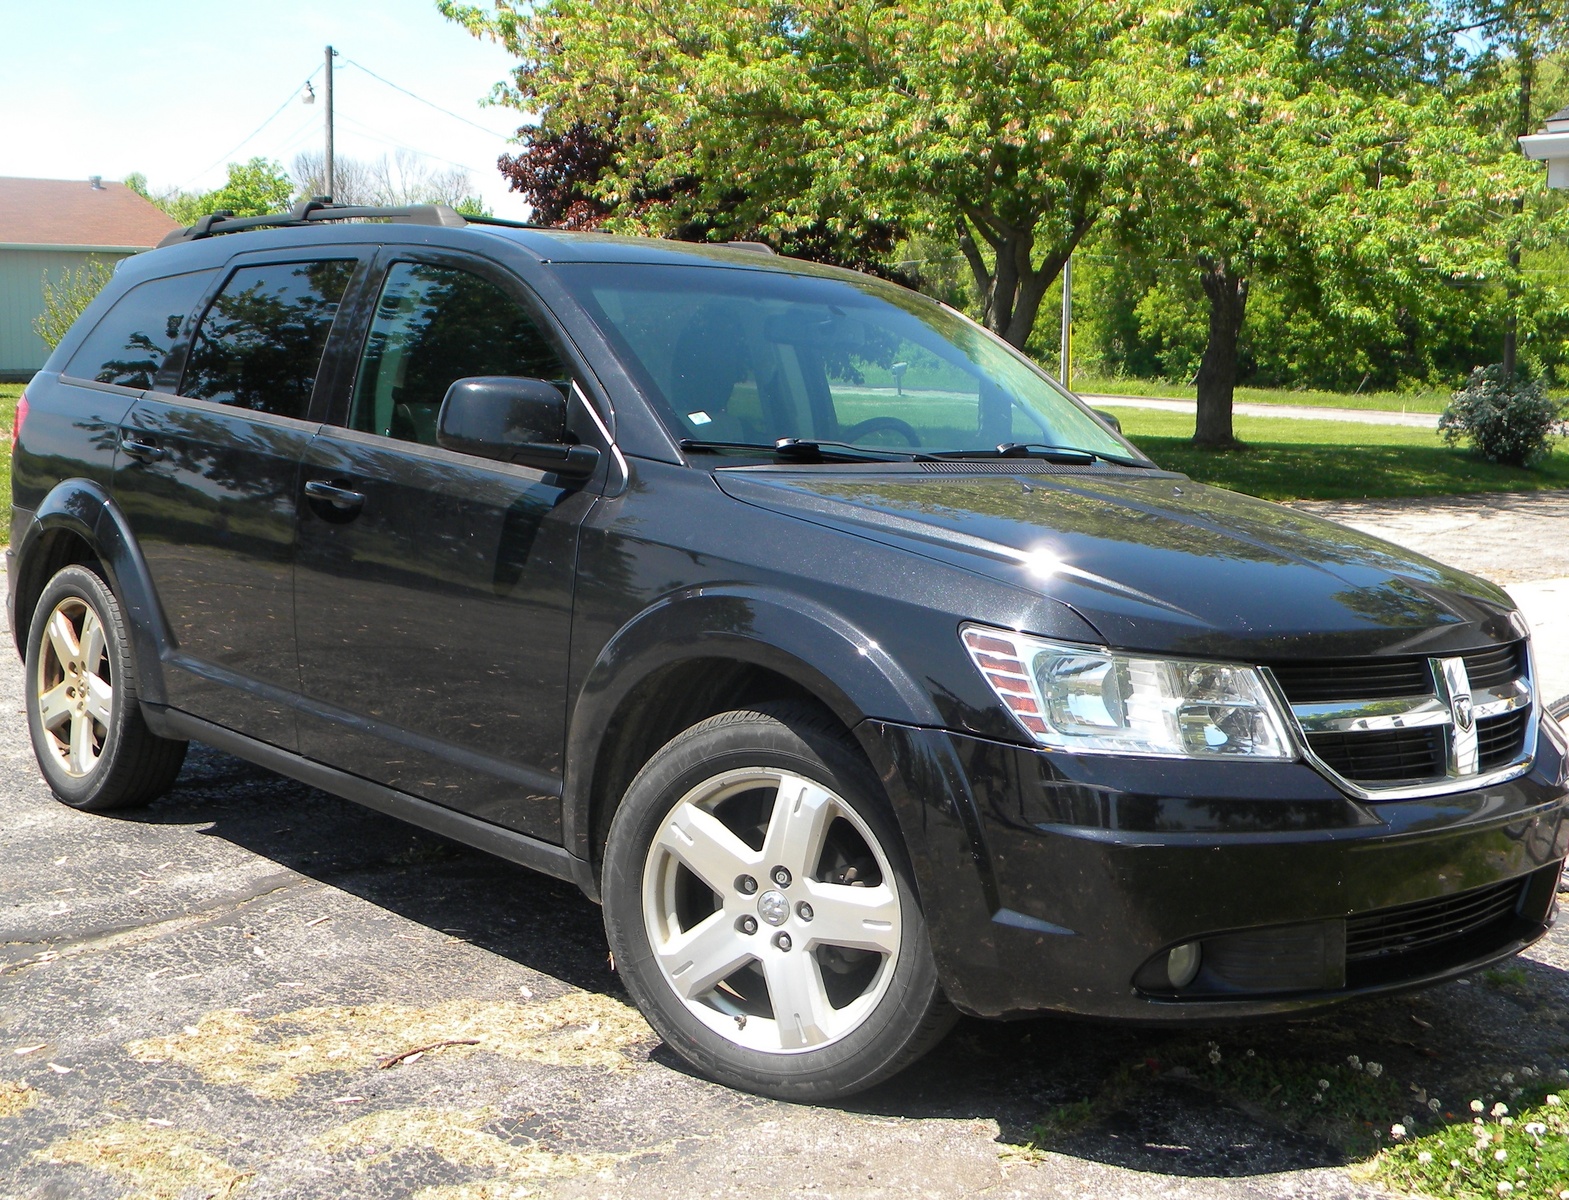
(1295, 412)
(195, 1000)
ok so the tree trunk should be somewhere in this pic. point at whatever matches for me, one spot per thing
(1217, 378)
(1011, 286)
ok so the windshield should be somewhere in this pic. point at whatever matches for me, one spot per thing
(749, 357)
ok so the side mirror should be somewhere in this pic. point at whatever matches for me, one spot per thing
(512, 420)
(1109, 418)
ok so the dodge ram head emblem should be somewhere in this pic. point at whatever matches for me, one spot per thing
(1460, 707)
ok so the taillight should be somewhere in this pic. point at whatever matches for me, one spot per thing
(16, 425)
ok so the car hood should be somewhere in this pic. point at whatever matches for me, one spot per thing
(1155, 561)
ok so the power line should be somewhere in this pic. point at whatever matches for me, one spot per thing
(387, 139)
(276, 114)
(421, 99)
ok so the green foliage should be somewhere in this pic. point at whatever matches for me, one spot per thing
(66, 297)
(1001, 126)
(252, 189)
(1507, 420)
(1498, 1154)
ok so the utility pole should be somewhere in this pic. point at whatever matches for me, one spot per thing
(327, 178)
(1067, 320)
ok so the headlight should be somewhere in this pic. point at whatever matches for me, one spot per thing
(1092, 701)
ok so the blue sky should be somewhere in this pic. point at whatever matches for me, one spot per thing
(108, 87)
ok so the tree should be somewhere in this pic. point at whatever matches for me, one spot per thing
(558, 175)
(1296, 159)
(400, 179)
(252, 189)
(1006, 126)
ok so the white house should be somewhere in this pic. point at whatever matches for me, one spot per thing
(49, 226)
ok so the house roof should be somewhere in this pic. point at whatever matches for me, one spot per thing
(71, 212)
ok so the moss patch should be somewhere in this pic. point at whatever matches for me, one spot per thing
(460, 1137)
(270, 1057)
(159, 1163)
(15, 1097)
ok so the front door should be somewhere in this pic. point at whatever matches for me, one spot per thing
(206, 473)
(434, 589)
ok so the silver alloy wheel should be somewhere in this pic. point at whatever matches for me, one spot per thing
(75, 687)
(756, 943)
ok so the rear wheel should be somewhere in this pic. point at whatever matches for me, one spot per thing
(83, 710)
(761, 909)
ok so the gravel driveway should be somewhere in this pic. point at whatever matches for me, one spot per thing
(252, 988)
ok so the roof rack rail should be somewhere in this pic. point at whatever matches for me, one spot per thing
(310, 212)
(754, 247)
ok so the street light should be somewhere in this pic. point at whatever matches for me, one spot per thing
(1551, 146)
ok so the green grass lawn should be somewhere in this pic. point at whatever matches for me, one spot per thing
(1424, 402)
(1289, 459)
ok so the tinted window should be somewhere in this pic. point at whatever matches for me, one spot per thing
(434, 325)
(135, 336)
(260, 344)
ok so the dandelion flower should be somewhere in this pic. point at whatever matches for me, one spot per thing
(1397, 1131)
(1375, 1069)
(1356, 1063)
(1434, 1104)
(1214, 1056)
(1501, 1155)
(1323, 1085)
(1505, 1188)
(1535, 1128)
(1477, 1106)
(1500, 1109)
(1507, 1077)
(1553, 1102)
(1424, 1158)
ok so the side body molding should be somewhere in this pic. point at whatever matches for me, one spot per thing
(784, 632)
(85, 509)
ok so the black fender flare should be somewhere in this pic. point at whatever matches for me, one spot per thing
(796, 637)
(85, 509)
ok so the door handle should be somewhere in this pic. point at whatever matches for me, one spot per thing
(342, 498)
(141, 451)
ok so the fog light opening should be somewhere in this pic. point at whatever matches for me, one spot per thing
(1182, 964)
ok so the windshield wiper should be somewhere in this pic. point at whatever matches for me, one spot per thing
(804, 450)
(1064, 455)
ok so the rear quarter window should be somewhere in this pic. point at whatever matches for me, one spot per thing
(129, 345)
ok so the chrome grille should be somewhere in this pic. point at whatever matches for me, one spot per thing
(1427, 723)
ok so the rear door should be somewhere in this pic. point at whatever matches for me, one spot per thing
(434, 589)
(207, 475)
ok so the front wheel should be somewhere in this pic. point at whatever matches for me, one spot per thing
(760, 906)
(83, 711)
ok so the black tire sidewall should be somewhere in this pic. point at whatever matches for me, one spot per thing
(89, 790)
(864, 1057)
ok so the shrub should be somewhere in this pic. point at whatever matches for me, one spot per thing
(64, 300)
(1507, 421)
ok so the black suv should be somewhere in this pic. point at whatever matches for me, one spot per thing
(860, 670)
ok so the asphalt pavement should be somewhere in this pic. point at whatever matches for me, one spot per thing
(252, 988)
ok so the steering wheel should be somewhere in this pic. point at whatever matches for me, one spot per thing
(878, 424)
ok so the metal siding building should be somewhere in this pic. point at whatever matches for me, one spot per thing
(48, 227)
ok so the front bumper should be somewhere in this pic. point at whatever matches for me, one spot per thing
(1050, 881)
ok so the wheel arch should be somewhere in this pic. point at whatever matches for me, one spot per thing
(78, 522)
(707, 651)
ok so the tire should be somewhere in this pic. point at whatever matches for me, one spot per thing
(83, 707)
(690, 885)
